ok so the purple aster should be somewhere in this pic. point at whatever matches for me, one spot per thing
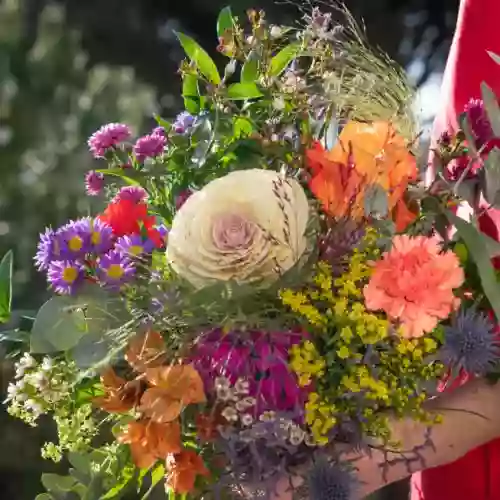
(114, 269)
(74, 238)
(107, 137)
(479, 122)
(133, 246)
(48, 249)
(149, 146)
(136, 194)
(471, 343)
(65, 276)
(94, 182)
(99, 235)
(159, 131)
(183, 123)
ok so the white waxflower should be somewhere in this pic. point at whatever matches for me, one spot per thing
(279, 103)
(249, 225)
(246, 419)
(230, 414)
(47, 364)
(276, 31)
(242, 386)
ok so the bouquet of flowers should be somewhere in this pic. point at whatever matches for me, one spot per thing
(270, 278)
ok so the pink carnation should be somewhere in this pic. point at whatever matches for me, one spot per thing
(107, 137)
(413, 283)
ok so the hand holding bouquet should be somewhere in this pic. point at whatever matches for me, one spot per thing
(269, 280)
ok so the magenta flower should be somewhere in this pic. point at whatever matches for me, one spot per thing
(107, 137)
(65, 276)
(259, 357)
(149, 146)
(181, 198)
(159, 131)
(94, 182)
(479, 122)
(114, 270)
(136, 194)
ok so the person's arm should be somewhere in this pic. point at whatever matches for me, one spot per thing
(471, 417)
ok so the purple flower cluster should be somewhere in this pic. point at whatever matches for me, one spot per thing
(183, 123)
(107, 137)
(87, 248)
(479, 122)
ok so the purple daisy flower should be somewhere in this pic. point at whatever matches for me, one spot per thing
(149, 146)
(99, 234)
(74, 238)
(183, 123)
(114, 270)
(107, 137)
(48, 249)
(94, 182)
(65, 276)
(133, 246)
(136, 194)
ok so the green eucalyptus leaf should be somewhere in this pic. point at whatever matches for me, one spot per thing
(55, 483)
(17, 335)
(200, 58)
(492, 178)
(283, 58)
(242, 91)
(376, 201)
(492, 107)
(6, 269)
(479, 253)
(191, 93)
(225, 21)
(250, 69)
(80, 462)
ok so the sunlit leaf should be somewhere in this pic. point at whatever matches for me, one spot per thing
(191, 93)
(492, 178)
(200, 58)
(492, 107)
(250, 69)
(283, 58)
(242, 127)
(225, 21)
(479, 254)
(242, 91)
(6, 269)
(127, 475)
(157, 475)
(124, 174)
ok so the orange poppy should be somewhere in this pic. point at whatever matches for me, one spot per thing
(146, 351)
(183, 469)
(120, 396)
(174, 387)
(151, 441)
(365, 155)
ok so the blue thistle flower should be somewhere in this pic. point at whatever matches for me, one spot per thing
(330, 481)
(471, 343)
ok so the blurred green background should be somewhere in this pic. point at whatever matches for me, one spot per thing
(68, 66)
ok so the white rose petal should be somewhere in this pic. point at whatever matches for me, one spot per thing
(248, 225)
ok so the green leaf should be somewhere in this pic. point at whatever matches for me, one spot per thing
(250, 69)
(225, 21)
(479, 254)
(492, 177)
(6, 269)
(283, 58)
(119, 172)
(200, 58)
(80, 462)
(494, 56)
(17, 335)
(492, 107)
(191, 93)
(243, 127)
(44, 496)
(242, 91)
(157, 474)
(127, 475)
(466, 128)
(376, 201)
(56, 483)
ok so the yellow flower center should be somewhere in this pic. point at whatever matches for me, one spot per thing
(70, 274)
(75, 244)
(115, 271)
(135, 249)
(95, 238)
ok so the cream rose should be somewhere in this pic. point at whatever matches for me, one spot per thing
(245, 226)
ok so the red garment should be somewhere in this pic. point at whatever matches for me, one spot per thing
(477, 475)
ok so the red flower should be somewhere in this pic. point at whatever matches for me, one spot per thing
(127, 217)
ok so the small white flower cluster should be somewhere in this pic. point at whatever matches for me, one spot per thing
(38, 387)
(236, 400)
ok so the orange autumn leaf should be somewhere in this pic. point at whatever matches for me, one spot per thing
(181, 382)
(151, 441)
(366, 154)
(183, 469)
(146, 351)
(120, 396)
(159, 406)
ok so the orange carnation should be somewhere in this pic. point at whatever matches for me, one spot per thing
(150, 441)
(413, 283)
(120, 396)
(182, 470)
(365, 155)
(146, 351)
